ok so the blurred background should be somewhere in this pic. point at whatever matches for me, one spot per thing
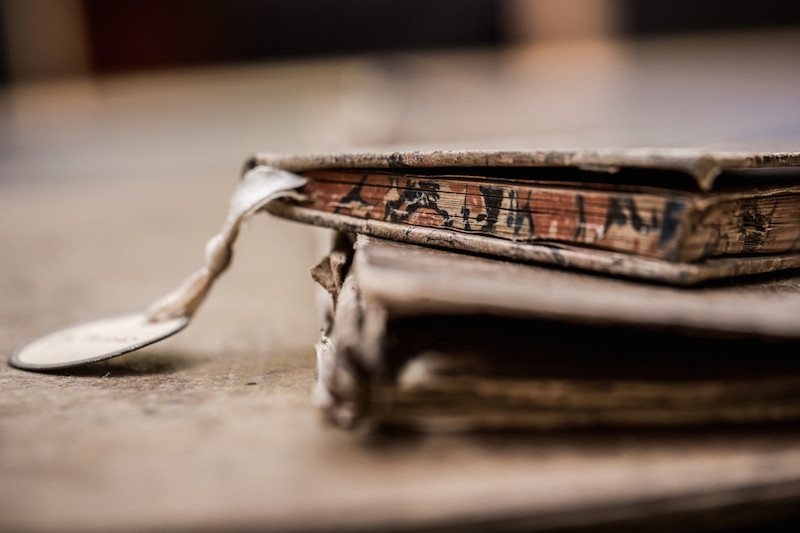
(221, 79)
(53, 38)
(123, 127)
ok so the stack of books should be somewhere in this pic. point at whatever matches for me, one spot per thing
(555, 289)
(550, 289)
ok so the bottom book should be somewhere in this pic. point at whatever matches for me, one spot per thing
(439, 341)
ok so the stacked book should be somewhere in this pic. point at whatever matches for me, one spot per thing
(556, 289)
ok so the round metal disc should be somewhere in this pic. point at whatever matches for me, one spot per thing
(89, 342)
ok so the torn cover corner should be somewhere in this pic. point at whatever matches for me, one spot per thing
(332, 269)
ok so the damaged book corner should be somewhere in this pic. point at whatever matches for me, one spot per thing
(528, 290)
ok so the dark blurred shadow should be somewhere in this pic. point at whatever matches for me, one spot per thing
(402, 440)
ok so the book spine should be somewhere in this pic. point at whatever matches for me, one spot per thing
(644, 224)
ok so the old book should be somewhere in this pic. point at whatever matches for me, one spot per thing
(437, 340)
(677, 216)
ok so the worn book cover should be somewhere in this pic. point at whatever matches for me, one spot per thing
(439, 341)
(676, 216)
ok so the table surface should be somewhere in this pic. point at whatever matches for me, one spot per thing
(111, 186)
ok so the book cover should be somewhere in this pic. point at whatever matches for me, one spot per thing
(675, 216)
(440, 341)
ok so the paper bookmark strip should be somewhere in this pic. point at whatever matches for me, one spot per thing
(94, 341)
(257, 188)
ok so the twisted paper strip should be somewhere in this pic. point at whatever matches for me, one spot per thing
(257, 188)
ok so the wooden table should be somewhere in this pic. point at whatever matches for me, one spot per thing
(110, 188)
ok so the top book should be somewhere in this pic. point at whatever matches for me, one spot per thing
(673, 215)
